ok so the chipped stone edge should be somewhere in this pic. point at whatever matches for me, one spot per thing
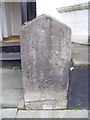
(24, 27)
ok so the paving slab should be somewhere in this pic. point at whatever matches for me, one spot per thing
(88, 114)
(52, 114)
(11, 97)
(80, 54)
(0, 98)
(0, 88)
(34, 114)
(0, 78)
(71, 114)
(11, 79)
(0, 114)
(9, 113)
(11, 87)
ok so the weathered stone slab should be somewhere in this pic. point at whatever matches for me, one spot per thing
(53, 114)
(46, 56)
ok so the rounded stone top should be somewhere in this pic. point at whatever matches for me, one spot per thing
(48, 19)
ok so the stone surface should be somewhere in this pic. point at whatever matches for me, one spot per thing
(70, 114)
(34, 114)
(11, 89)
(11, 79)
(46, 56)
(0, 79)
(52, 114)
(9, 113)
(0, 98)
(21, 105)
(88, 114)
(80, 54)
(0, 113)
(11, 97)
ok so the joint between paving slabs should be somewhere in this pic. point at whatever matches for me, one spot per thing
(21, 108)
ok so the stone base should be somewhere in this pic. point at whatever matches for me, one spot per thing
(46, 105)
(49, 100)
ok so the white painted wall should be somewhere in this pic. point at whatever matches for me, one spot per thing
(49, 6)
(77, 20)
(16, 18)
(11, 19)
(0, 25)
(7, 29)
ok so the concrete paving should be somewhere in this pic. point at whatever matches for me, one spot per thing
(11, 97)
(0, 114)
(80, 54)
(11, 79)
(8, 113)
(89, 114)
(70, 114)
(13, 113)
(12, 88)
(0, 79)
(0, 98)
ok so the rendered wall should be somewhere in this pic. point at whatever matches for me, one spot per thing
(77, 20)
(11, 17)
(0, 25)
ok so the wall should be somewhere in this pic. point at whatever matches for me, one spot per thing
(11, 19)
(16, 18)
(49, 6)
(0, 25)
(77, 20)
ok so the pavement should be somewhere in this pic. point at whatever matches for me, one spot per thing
(12, 87)
(11, 90)
(13, 113)
(80, 54)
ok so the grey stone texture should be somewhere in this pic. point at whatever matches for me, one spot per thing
(52, 114)
(45, 56)
(8, 113)
(80, 54)
(11, 89)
